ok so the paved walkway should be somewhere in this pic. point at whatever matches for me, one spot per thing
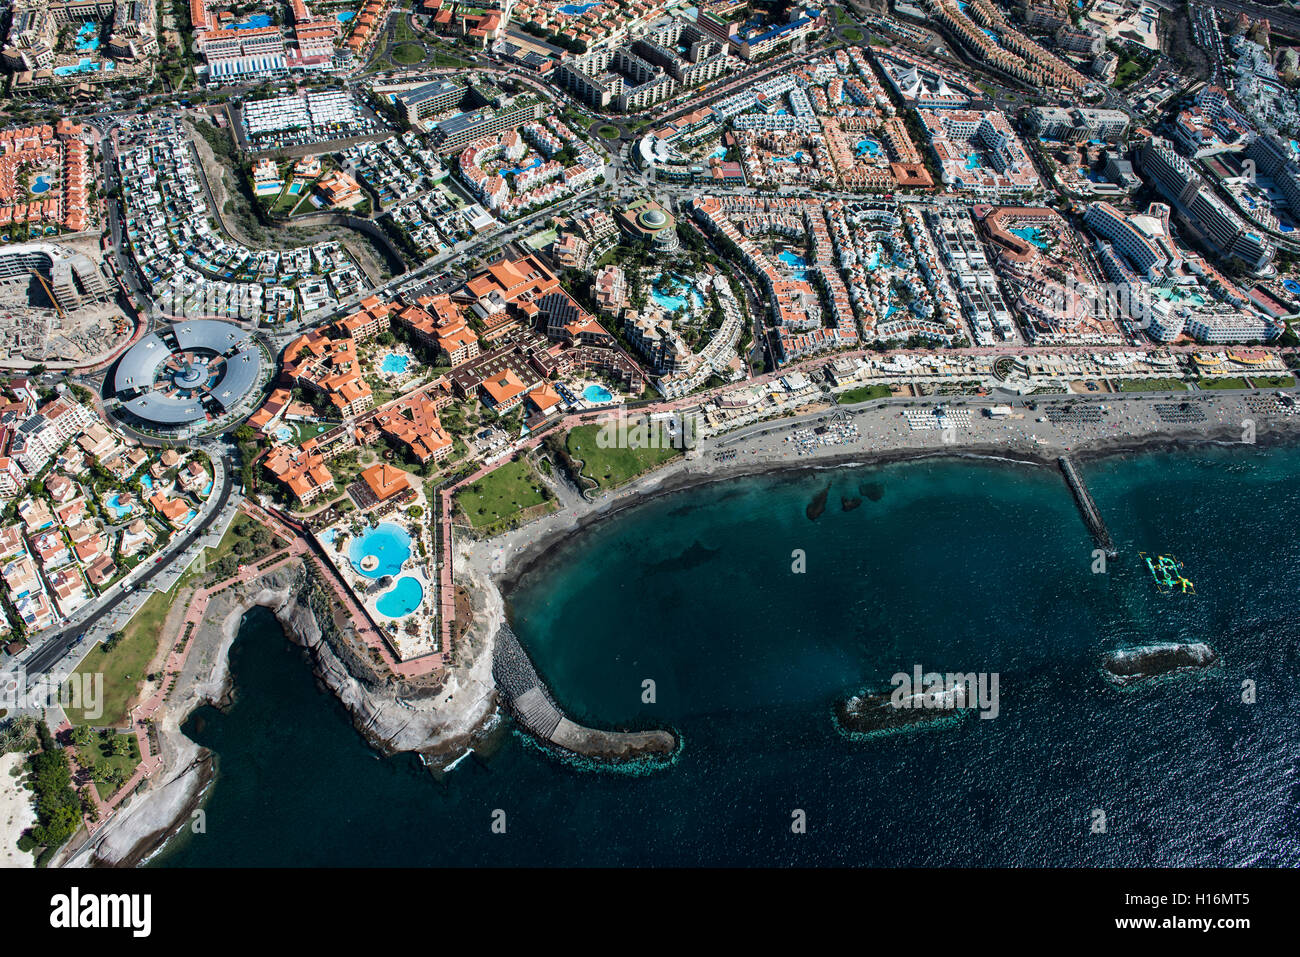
(142, 714)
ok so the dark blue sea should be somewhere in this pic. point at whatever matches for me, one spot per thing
(954, 565)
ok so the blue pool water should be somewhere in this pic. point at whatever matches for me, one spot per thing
(537, 161)
(1031, 234)
(795, 262)
(719, 153)
(255, 22)
(1290, 285)
(87, 39)
(283, 434)
(146, 481)
(596, 393)
(395, 363)
(796, 157)
(577, 9)
(86, 65)
(295, 188)
(402, 599)
(114, 505)
(973, 161)
(389, 543)
(189, 517)
(868, 147)
(675, 303)
(345, 16)
(42, 185)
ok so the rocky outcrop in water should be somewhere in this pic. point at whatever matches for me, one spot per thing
(880, 713)
(818, 504)
(1129, 666)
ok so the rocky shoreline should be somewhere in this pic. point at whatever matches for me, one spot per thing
(389, 721)
(440, 723)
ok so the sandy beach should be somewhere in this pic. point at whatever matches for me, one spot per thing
(17, 813)
(1129, 424)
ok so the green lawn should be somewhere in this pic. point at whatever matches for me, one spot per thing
(124, 667)
(408, 53)
(500, 494)
(100, 751)
(612, 467)
(1127, 72)
(862, 394)
(1273, 381)
(852, 34)
(1223, 382)
(607, 132)
(1152, 385)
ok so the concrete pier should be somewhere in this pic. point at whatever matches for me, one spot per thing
(1087, 507)
(536, 710)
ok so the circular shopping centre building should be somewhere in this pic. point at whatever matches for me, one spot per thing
(188, 374)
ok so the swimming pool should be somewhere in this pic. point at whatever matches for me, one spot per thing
(797, 264)
(402, 599)
(973, 161)
(395, 363)
(596, 393)
(868, 147)
(537, 161)
(295, 188)
(1031, 234)
(577, 9)
(1291, 286)
(675, 302)
(114, 505)
(42, 185)
(87, 39)
(389, 545)
(283, 434)
(345, 16)
(86, 65)
(256, 22)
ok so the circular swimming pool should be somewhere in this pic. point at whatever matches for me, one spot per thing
(380, 551)
(402, 599)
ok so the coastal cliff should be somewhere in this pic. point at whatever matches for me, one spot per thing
(436, 720)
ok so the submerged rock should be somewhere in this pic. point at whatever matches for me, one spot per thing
(818, 504)
(849, 504)
(1127, 666)
(874, 491)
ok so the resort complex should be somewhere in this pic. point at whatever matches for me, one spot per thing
(408, 331)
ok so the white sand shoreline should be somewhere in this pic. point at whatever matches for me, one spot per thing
(17, 812)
